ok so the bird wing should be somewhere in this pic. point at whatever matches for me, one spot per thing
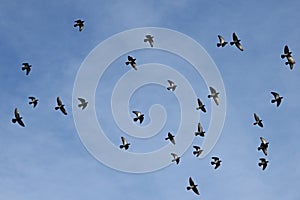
(234, 37)
(262, 159)
(31, 98)
(21, 122)
(215, 158)
(130, 58)
(124, 141)
(81, 100)
(63, 110)
(199, 102)
(137, 113)
(256, 117)
(191, 181)
(265, 151)
(17, 115)
(196, 147)
(216, 99)
(175, 156)
(171, 83)
(221, 39)
(263, 140)
(200, 128)
(59, 102)
(275, 94)
(286, 50)
(27, 70)
(212, 90)
(196, 190)
(239, 46)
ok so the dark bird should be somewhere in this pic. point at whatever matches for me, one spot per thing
(263, 163)
(176, 158)
(132, 62)
(33, 101)
(83, 103)
(18, 118)
(236, 41)
(79, 23)
(149, 38)
(258, 121)
(26, 67)
(192, 186)
(216, 161)
(171, 138)
(197, 151)
(124, 144)
(288, 54)
(60, 106)
(139, 116)
(276, 99)
(201, 106)
(200, 131)
(263, 145)
(172, 86)
(222, 42)
(214, 94)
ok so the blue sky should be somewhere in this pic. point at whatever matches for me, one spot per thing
(47, 160)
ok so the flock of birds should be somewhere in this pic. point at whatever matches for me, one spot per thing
(139, 117)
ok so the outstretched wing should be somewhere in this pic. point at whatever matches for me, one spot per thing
(221, 39)
(59, 102)
(256, 117)
(124, 141)
(17, 115)
(263, 140)
(286, 49)
(81, 100)
(234, 37)
(212, 90)
(63, 110)
(215, 158)
(137, 113)
(171, 83)
(275, 94)
(199, 102)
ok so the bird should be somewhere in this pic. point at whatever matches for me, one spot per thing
(83, 103)
(201, 106)
(236, 41)
(214, 94)
(132, 62)
(176, 158)
(172, 86)
(263, 145)
(33, 101)
(139, 116)
(197, 151)
(149, 38)
(222, 42)
(18, 118)
(171, 138)
(26, 67)
(276, 99)
(192, 186)
(79, 23)
(60, 106)
(288, 54)
(263, 163)
(200, 131)
(216, 161)
(124, 144)
(258, 121)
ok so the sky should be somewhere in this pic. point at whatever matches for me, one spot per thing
(48, 160)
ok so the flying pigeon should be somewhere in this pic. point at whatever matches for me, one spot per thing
(83, 103)
(263, 162)
(287, 54)
(132, 62)
(26, 67)
(176, 158)
(201, 106)
(172, 86)
(124, 144)
(79, 23)
(33, 101)
(214, 94)
(290, 61)
(171, 138)
(18, 118)
(149, 38)
(276, 99)
(200, 131)
(236, 41)
(216, 161)
(258, 121)
(139, 116)
(263, 145)
(197, 151)
(60, 106)
(222, 42)
(192, 186)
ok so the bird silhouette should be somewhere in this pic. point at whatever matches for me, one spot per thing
(139, 116)
(18, 118)
(236, 41)
(83, 103)
(149, 38)
(263, 146)
(201, 106)
(199, 131)
(171, 138)
(288, 54)
(79, 23)
(222, 42)
(214, 94)
(258, 121)
(216, 161)
(60, 106)
(26, 67)
(192, 186)
(276, 99)
(132, 62)
(197, 151)
(263, 163)
(176, 158)
(124, 144)
(33, 101)
(172, 86)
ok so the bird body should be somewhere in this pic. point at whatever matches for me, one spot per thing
(214, 94)
(18, 118)
(192, 186)
(33, 101)
(139, 116)
(172, 86)
(26, 67)
(200, 131)
(79, 23)
(83, 103)
(171, 138)
(222, 42)
(216, 161)
(60, 106)
(124, 144)
(149, 38)
(263, 163)
(197, 151)
(201, 106)
(237, 42)
(263, 145)
(277, 98)
(176, 158)
(132, 62)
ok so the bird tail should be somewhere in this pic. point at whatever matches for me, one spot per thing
(212, 162)
(80, 105)
(254, 123)
(209, 96)
(282, 56)
(286, 63)
(188, 188)
(273, 101)
(197, 133)
(195, 152)
(14, 120)
(258, 148)
(30, 102)
(23, 68)
(198, 108)
(259, 164)
(223, 45)
(218, 44)
(135, 119)
(56, 108)
(145, 40)
(231, 43)
(121, 146)
(127, 63)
